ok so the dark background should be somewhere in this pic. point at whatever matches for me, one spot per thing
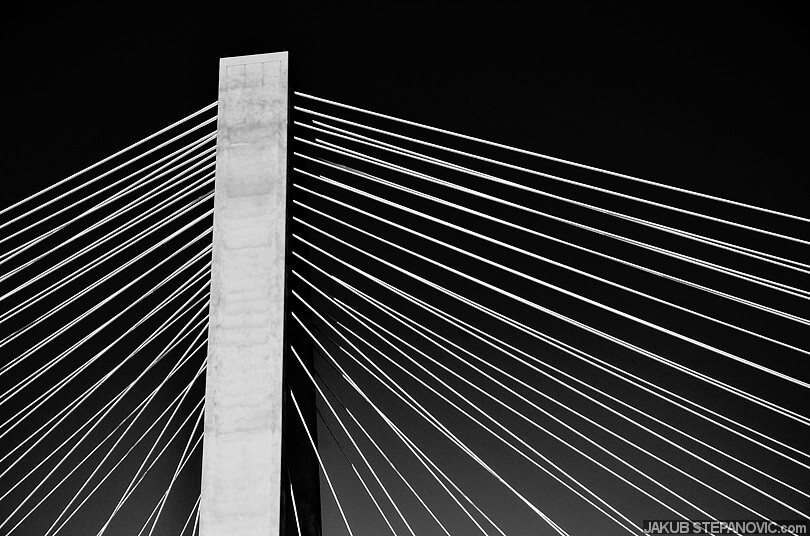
(710, 97)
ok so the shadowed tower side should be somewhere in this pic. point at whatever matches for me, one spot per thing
(242, 451)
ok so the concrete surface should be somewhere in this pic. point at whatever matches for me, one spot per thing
(241, 479)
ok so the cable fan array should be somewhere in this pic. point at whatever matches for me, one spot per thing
(504, 342)
(511, 343)
(104, 282)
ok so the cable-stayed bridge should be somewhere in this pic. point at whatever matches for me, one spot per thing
(497, 341)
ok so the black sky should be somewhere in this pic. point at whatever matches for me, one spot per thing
(689, 94)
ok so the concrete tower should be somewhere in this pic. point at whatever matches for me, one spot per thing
(243, 474)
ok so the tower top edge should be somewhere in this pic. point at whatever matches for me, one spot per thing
(254, 58)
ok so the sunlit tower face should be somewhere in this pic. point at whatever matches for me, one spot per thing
(242, 475)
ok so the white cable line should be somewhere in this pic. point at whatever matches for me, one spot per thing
(198, 407)
(295, 508)
(564, 291)
(469, 329)
(200, 275)
(132, 484)
(178, 177)
(652, 355)
(534, 462)
(164, 497)
(181, 154)
(148, 519)
(782, 287)
(179, 470)
(763, 256)
(377, 144)
(180, 396)
(576, 353)
(353, 313)
(51, 391)
(76, 274)
(424, 459)
(75, 402)
(625, 375)
(191, 515)
(156, 511)
(193, 186)
(373, 499)
(62, 414)
(620, 373)
(119, 247)
(359, 477)
(56, 309)
(196, 530)
(320, 462)
(420, 456)
(422, 413)
(397, 471)
(559, 160)
(183, 459)
(121, 229)
(19, 359)
(511, 247)
(433, 469)
(98, 466)
(107, 159)
(360, 452)
(421, 279)
(419, 409)
(360, 211)
(114, 401)
(97, 446)
(43, 398)
(48, 203)
(11, 392)
(191, 171)
(187, 209)
(594, 252)
(387, 459)
(186, 455)
(196, 524)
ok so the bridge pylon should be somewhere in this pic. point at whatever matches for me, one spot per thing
(245, 473)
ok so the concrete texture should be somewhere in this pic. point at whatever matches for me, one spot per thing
(241, 479)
